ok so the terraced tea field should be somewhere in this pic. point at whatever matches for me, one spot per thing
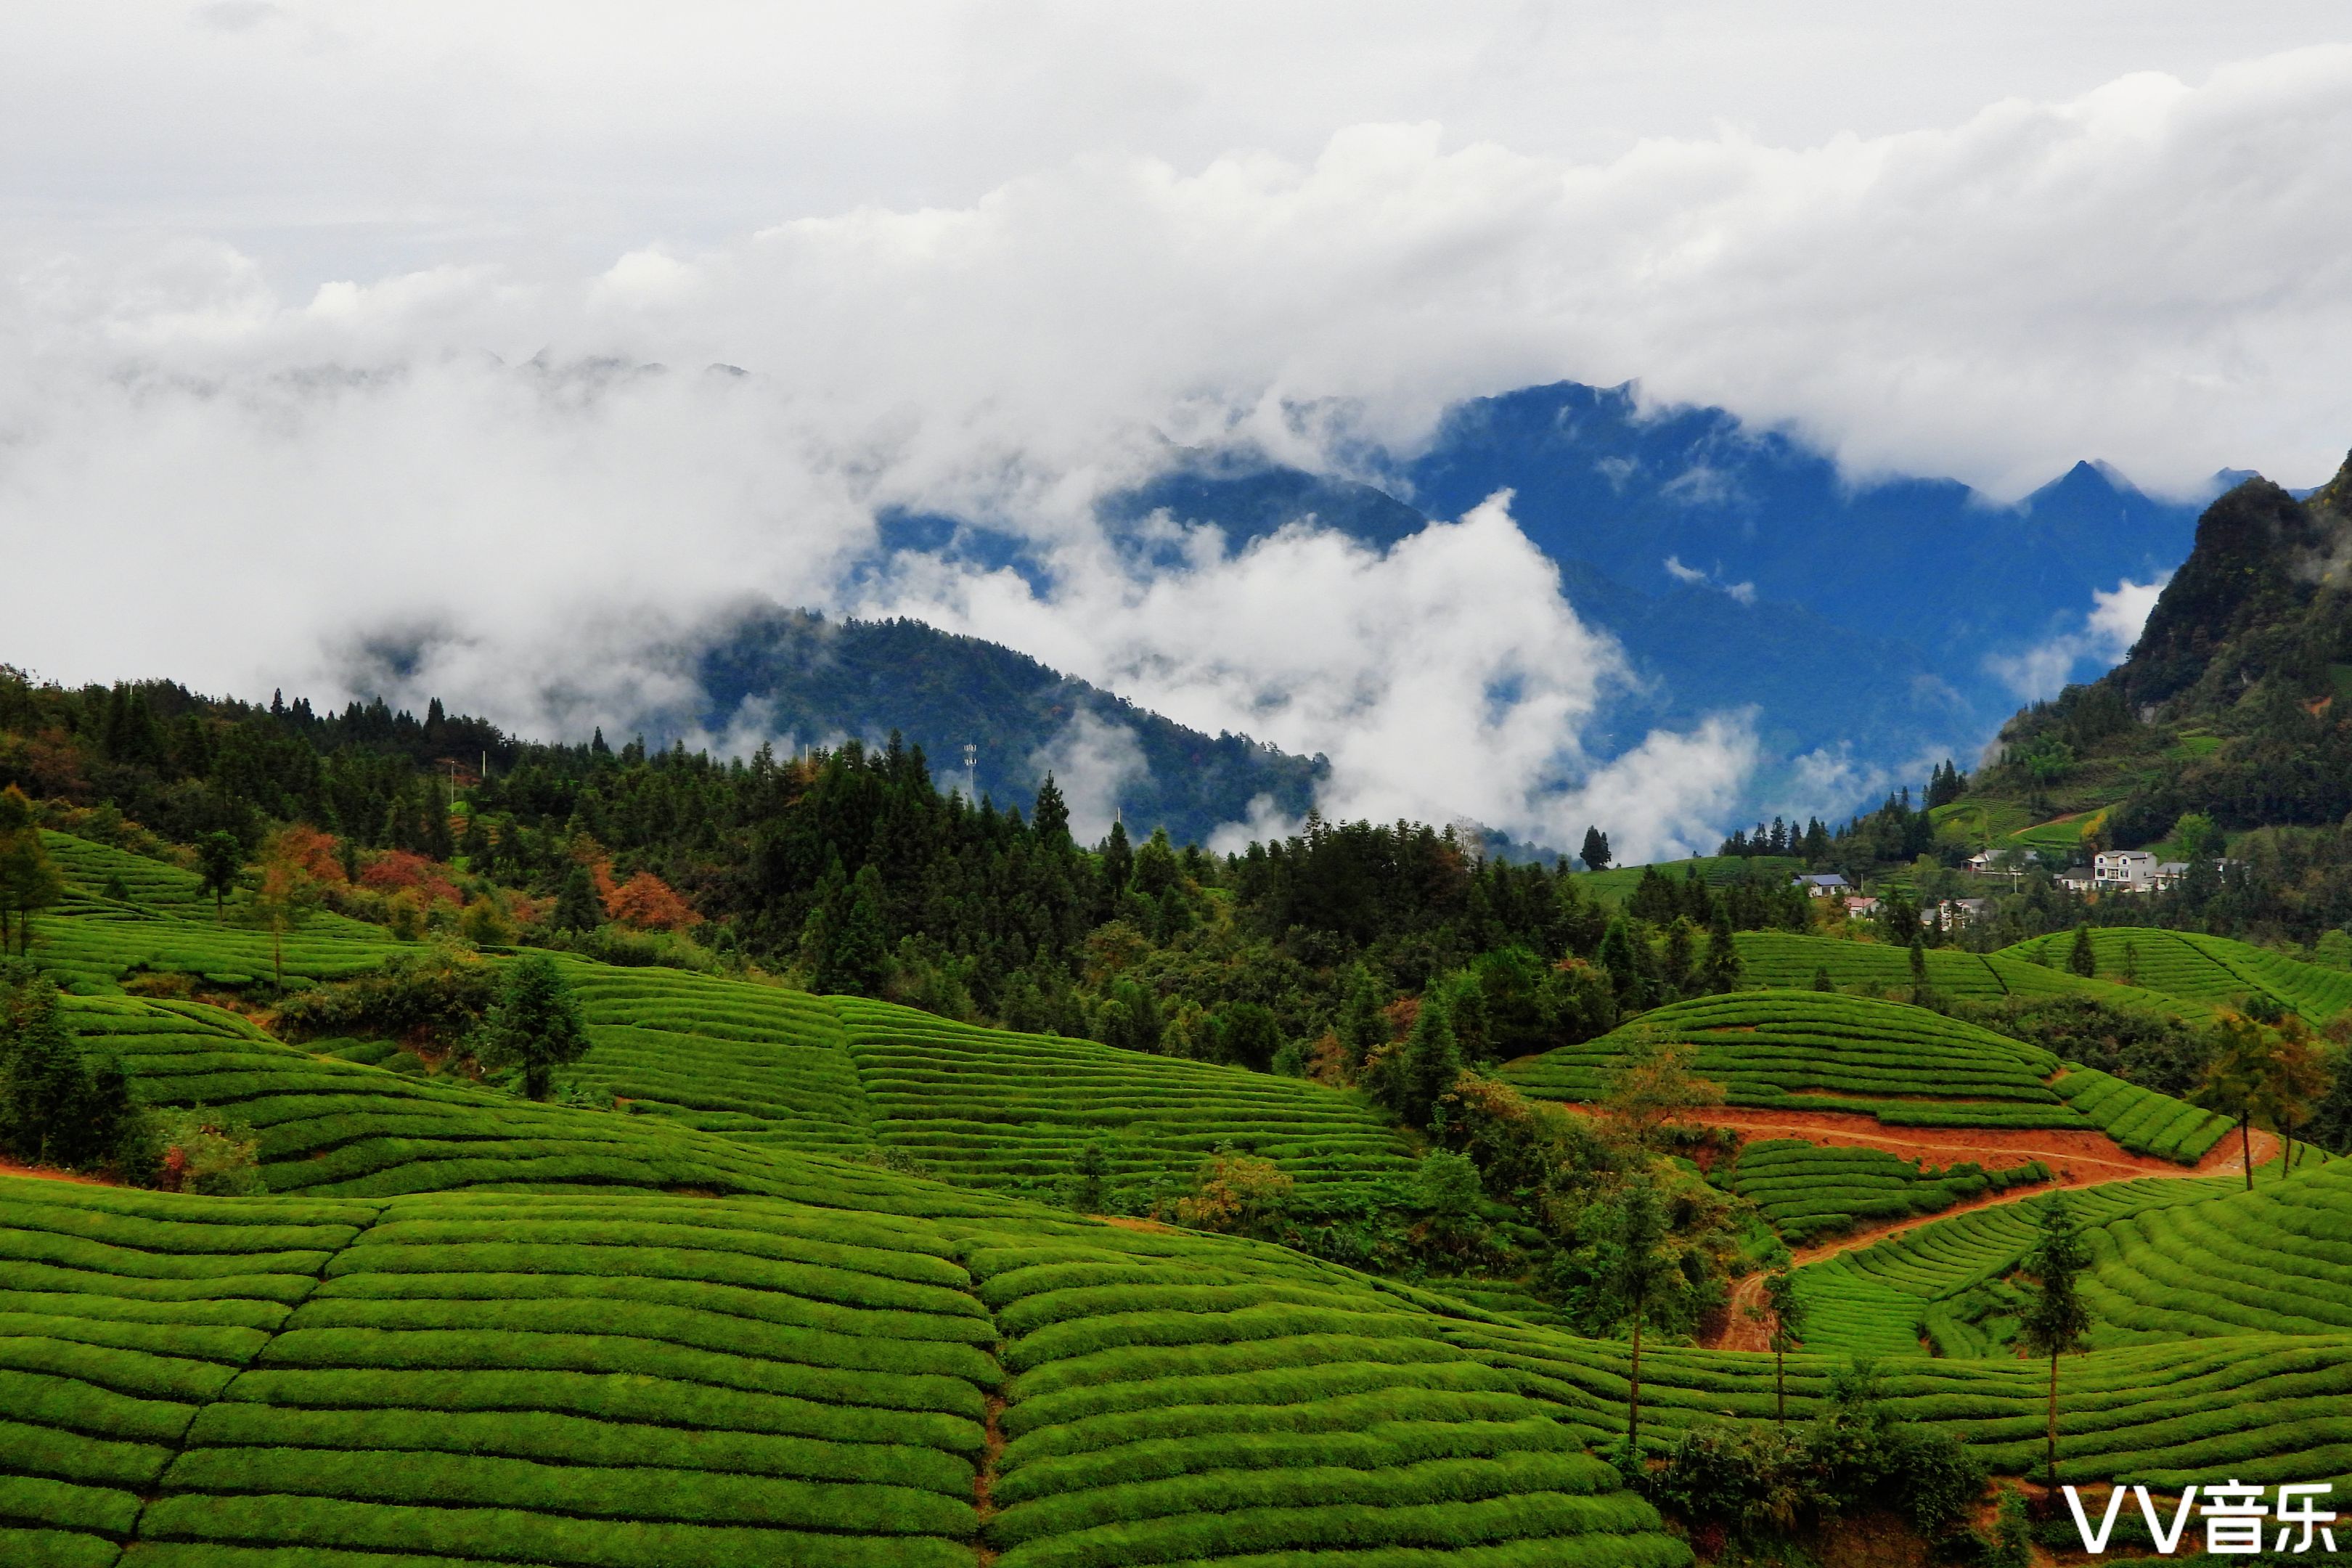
(2211, 970)
(1786, 961)
(1174, 1402)
(328, 1126)
(1808, 1191)
(1823, 1052)
(989, 1108)
(759, 1065)
(626, 1382)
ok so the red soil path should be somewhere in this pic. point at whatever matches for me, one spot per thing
(2080, 1159)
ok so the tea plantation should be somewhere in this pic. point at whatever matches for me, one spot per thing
(1821, 1051)
(672, 1323)
(2213, 970)
(1808, 1191)
(990, 1108)
(1784, 960)
(618, 1382)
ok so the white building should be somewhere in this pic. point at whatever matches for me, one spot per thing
(1823, 887)
(2123, 870)
(2010, 862)
(1957, 912)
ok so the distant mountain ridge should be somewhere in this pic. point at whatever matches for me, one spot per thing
(824, 681)
(1740, 568)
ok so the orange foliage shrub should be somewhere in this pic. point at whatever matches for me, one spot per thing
(399, 871)
(648, 903)
(319, 855)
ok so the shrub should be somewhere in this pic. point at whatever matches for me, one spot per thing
(1752, 1479)
(1238, 1193)
(201, 1151)
(433, 997)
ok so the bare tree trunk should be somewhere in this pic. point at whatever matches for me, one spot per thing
(1779, 1380)
(2053, 1421)
(2246, 1146)
(1633, 1402)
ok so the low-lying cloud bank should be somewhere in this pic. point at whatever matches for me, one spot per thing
(465, 481)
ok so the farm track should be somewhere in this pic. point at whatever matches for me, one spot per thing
(1742, 1332)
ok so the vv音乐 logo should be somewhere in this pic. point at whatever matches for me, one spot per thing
(2233, 1516)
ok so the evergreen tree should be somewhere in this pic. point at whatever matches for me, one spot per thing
(2055, 1321)
(219, 857)
(1623, 954)
(1722, 968)
(2081, 958)
(1050, 820)
(534, 1024)
(1432, 1061)
(1632, 1236)
(1090, 1183)
(1918, 966)
(856, 957)
(1595, 853)
(576, 909)
(1362, 1026)
(27, 879)
(1681, 955)
(1821, 978)
(59, 1103)
(1785, 1310)
(1117, 868)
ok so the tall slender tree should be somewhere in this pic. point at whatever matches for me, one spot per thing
(2055, 1321)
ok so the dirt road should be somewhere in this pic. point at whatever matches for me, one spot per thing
(2079, 1159)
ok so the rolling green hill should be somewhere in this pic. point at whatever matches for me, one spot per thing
(753, 1066)
(611, 1382)
(1810, 1050)
(1784, 959)
(1808, 1191)
(2213, 970)
(991, 1108)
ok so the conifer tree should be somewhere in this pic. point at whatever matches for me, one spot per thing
(1595, 853)
(1722, 968)
(1050, 820)
(2081, 958)
(2055, 1321)
(27, 879)
(856, 957)
(576, 909)
(1432, 1061)
(534, 1024)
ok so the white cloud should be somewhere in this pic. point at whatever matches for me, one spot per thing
(1093, 762)
(243, 474)
(1744, 592)
(2109, 629)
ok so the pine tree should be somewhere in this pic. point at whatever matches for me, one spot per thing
(1722, 969)
(1089, 1189)
(576, 909)
(1362, 1026)
(27, 879)
(1432, 1060)
(2055, 1321)
(1050, 821)
(860, 947)
(1595, 853)
(2081, 958)
(534, 1024)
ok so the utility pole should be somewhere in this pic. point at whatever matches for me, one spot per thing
(972, 771)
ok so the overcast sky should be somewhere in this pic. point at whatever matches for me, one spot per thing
(272, 278)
